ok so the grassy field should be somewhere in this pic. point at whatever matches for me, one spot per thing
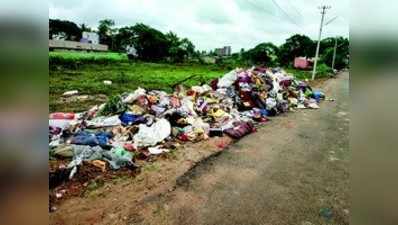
(300, 74)
(73, 57)
(88, 79)
(85, 72)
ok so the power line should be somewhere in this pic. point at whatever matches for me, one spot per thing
(331, 20)
(286, 14)
(255, 4)
(295, 8)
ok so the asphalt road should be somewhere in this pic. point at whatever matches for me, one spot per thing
(294, 170)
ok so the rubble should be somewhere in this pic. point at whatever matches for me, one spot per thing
(148, 122)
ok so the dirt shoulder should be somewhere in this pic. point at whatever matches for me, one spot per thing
(112, 201)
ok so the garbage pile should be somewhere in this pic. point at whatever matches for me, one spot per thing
(150, 122)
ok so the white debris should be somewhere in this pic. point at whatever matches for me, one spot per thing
(107, 82)
(157, 150)
(70, 93)
(149, 136)
(133, 96)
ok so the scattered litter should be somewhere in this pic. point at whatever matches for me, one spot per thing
(118, 157)
(60, 194)
(70, 93)
(102, 121)
(326, 213)
(151, 135)
(143, 122)
(157, 150)
(100, 164)
(82, 97)
(107, 82)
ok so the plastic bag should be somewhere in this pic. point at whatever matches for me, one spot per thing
(149, 136)
(239, 130)
(83, 153)
(157, 150)
(118, 157)
(130, 98)
(129, 118)
(103, 121)
(227, 80)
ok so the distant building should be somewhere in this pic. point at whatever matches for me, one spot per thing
(225, 51)
(303, 63)
(131, 51)
(75, 45)
(90, 37)
(60, 36)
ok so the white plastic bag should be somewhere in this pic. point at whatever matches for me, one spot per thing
(130, 98)
(107, 82)
(157, 150)
(70, 93)
(227, 80)
(102, 121)
(150, 136)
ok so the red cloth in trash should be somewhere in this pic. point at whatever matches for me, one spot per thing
(213, 84)
(62, 116)
(240, 129)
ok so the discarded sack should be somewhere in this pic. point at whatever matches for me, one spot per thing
(240, 129)
(149, 136)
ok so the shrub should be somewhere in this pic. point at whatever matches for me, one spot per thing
(323, 70)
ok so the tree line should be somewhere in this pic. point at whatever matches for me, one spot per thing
(153, 45)
(295, 46)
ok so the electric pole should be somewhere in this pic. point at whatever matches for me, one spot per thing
(334, 53)
(323, 12)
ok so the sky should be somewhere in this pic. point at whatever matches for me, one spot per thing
(211, 24)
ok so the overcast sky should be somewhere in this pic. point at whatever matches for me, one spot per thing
(213, 23)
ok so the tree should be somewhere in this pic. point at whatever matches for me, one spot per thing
(242, 51)
(106, 32)
(296, 45)
(326, 44)
(342, 52)
(264, 53)
(150, 43)
(179, 49)
(68, 29)
(187, 46)
(125, 37)
(84, 27)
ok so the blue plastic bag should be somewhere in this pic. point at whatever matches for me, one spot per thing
(318, 95)
(129, 118)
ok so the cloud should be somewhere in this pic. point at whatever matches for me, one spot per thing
(212, 23)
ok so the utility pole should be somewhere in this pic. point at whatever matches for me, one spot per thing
(334, 52)
(323, 12)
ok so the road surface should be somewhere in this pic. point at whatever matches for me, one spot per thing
(294, 170)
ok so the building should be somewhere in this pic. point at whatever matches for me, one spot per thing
(75, 45)
(303, 63)
(131, 52)
(225, 51)
(90, 37)
(60, 36)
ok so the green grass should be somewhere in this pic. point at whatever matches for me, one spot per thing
(75, 58)
(86, 71)
(88, 79)
(322, 71)
(300, 74)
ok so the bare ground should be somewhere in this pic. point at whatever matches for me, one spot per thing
(112, 202)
